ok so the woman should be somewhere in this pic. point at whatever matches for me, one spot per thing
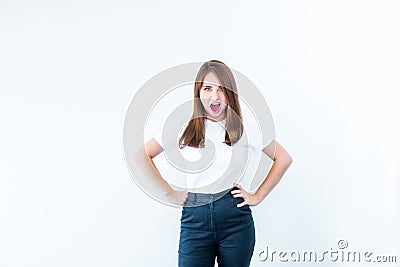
(217, 225)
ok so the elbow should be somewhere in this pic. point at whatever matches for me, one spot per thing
(289, 160)
(286, 160)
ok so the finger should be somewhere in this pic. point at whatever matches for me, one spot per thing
(236, 192)
(238, 195)
(241, 204)
(240, 187)
(185, 199)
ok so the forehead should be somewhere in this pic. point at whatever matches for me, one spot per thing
(211, 79)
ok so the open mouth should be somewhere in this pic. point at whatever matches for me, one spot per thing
(215, 107)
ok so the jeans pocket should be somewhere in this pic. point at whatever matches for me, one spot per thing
(240, 210)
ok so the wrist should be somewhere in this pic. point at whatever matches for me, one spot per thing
(259, 197)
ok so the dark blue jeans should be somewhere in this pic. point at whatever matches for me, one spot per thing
(217, 228)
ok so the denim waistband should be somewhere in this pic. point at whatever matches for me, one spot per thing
(204, 198)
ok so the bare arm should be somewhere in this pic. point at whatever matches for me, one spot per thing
(144, 157)
(282, 161)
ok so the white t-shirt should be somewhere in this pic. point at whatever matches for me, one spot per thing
(224, 165)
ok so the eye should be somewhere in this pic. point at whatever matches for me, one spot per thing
(207, 88)
(220, 88)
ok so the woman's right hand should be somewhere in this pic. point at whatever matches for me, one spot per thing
(177, 197)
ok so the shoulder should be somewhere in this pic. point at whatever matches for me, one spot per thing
(252, 129)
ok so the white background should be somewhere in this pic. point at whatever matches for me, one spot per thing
(68, 71)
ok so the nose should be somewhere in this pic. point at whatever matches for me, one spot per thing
(214, 94)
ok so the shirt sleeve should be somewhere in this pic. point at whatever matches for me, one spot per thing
(158, 137)
(156, 131)
(153, 131)
(257, 139)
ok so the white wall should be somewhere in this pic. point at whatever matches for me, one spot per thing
(68, 71)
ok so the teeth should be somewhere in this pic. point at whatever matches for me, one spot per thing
(215, 107)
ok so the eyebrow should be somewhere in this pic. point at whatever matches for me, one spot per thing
(207, 85)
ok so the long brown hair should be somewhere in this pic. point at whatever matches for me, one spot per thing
(194, 133)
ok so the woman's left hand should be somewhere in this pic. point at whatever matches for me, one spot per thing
(249, 199)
